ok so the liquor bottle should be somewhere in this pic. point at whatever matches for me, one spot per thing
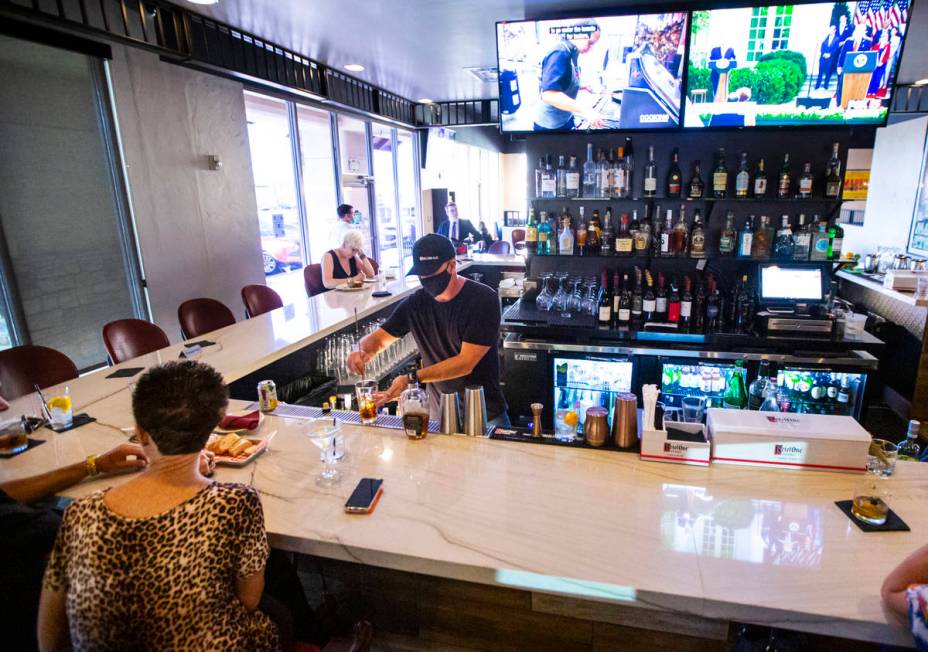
(607, 237)
(561, 177)
(616, 296)
(744, 307)
(581, 235)
(618, 174)
(667, 235)
(629, 165)
(806, 181)
(609, 182)
(641, 234)
(844, 396)
(763, 240)
(758, 386)
(660, 300)
(713, 307)
(565, 240)
(802, 239)
(760, 180)
(675, 175)
(552, 234)
(743, 178)
(544, 233)
(649, 300)
(835, 240)
(697, 187)
(593, 231)
(730, 306)
(604, 317)
(625, 303)
(680, 236)
(720, 176)
(602, 175)
(785, 182)
(637, 299)
(698, 317)
(910, 449)
(650, 175)
(697, 237)
(673, 303)
(735, 397)
(728, 238)
(573, 178)
(833, 175)
(784, 246)
(656, 233)
(531, 234)
(539, 175)
(686, 303)
(623, 241)
(820, 240)
(746, 238)
(548, 181)
(589, 173)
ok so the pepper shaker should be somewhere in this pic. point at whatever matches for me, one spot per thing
(536, 419)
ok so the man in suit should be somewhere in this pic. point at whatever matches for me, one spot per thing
(857, 43)
(456, 229)
(828, 57)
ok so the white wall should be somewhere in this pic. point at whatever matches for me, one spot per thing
(897, 158)
(198, 229)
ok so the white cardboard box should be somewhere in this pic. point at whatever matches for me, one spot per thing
(655, 447)
(787, 440)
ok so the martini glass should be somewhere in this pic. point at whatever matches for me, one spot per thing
(322, 433)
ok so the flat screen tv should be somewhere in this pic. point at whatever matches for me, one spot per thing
(605, 73)
(824, 63)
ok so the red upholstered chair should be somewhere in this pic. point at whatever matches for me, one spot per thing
(22, 367)
(518, 240)
(312, 277)
(125, 339)
(259, 299)
(499, 247)
(375, 265)
(199, 316)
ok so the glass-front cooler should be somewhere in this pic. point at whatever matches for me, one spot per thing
(687, 377)
(582, 382)
(820, 390)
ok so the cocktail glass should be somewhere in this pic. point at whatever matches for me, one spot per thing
(60, 409)
(366, 408)
(322, 433)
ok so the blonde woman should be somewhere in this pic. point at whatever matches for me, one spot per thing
(348, 262)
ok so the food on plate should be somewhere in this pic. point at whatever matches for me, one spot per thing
(353, 283)
(232, 445)
(222, 445)
(240, 447)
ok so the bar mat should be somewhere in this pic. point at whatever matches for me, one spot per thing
(32, 444)
(126, 372)
(893, 522)
(503, 433)
(306, 412)
(79, 420)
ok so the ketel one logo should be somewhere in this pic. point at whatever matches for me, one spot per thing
(780, 449)
(675, 449)
(776, 420)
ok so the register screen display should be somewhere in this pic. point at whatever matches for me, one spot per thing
(790, 283)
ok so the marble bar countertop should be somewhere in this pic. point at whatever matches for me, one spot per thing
(497, 260)
(724, 542)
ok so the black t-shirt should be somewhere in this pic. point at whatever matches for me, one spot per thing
(557, 69)
(440, 328)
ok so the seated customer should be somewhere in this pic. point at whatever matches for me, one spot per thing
(905, 591)
(169, 560)
(348, 262)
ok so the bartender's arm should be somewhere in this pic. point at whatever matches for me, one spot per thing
(454, 367)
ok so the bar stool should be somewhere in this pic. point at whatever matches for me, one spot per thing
(312, 278)
(259, 299)
(23, 367)
(199, 316)
(125, 339)
(499, 247)
(518, 240)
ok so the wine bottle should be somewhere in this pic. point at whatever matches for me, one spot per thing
(698, 318)
(675, 175)
(531, 234)
(625, 304)
(746, 238)
(713, 307)
(604, 317)
(673, 303)
(637, 299)
(649, 300)
(660, 300)
(686, 303)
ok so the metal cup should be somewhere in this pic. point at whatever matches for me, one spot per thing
(475, 411)
(625, 420)
(450, 408)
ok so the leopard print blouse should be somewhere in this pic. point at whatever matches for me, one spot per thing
(164, 582)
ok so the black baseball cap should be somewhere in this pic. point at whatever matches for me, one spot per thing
(429, 253)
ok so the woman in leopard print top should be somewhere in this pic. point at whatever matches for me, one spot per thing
(168, 560)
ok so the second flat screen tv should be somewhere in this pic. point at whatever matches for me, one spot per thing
(825, 63)
(612, 72)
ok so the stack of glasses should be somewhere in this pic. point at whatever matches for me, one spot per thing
(333, 357)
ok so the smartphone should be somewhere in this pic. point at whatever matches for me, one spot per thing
(365, 496)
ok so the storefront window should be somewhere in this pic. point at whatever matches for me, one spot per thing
(410, 227)
(320, 196)
(382, 147)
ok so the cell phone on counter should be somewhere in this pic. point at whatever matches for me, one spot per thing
(364, 498)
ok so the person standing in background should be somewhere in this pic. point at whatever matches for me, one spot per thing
(345, 224)
(828, 57)
(456, 229)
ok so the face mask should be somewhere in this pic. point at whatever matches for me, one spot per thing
(435, 285)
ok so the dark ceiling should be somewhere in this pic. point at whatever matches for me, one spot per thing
(420, 48)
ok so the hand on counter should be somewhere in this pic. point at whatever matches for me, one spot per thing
(393, 392)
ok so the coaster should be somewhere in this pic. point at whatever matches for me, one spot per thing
(893, 522)
(79, 420)
(32, 444)
(126, 372)
(200, 343)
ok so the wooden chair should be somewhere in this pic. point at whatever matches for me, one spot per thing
(125, 339)
(23, 367)
(259, 299)
(499, 247)
(312, 278)
(199, 316)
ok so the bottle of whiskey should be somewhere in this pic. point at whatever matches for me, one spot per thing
(785, 183)
(675, 175)
(637, 299)
(697, 237)
(625, 304)
(697, 187)
(680, 236)
(746, 238)
(728, 239)
(649, 301)
(667, 235)
(607, 237)
(833, 174)
(650, 175)
(593, 231)
(660, 300)
(624, 244)
(806, 181)
(686, 304)
(604, 316)
(743, 178)
(763, 240)
(673, 303)
(641, 234)
(802, 239)
(783, 246)
(720, 176)
(760, 180)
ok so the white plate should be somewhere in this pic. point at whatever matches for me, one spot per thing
(345, 288)
(241, 460)
(370, 280)
(224, 431)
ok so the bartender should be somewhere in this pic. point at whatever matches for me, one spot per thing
(455, 322)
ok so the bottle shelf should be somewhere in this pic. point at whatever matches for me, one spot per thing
(709, 258)
(738, 200)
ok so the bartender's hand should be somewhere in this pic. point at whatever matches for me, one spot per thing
(399, 384)
(357, 361)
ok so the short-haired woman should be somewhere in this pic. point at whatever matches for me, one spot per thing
(168, 560)
(348, 262)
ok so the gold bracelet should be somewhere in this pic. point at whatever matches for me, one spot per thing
(92, 465)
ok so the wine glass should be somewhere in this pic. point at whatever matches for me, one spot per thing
(322, 432)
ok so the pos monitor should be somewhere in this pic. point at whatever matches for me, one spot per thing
(790, 285)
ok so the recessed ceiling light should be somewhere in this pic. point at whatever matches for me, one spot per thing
(354, 67)
(203, 2)
(921, 82)
(425, 100)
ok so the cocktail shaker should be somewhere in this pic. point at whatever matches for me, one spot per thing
(450, 408)
(596, 426)
(475, 411)
(625, 420)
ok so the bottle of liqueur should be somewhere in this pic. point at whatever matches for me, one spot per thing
(607, 237)
(785, 182)
(649, 301)
(572, 179)
(835, 240)
(910, 449)
(720, 177)
(784, 246)
(746, 238)
(743, 178)
(565, 240)
(802, 239)
(602, 175)
(686, 303)
(531, 234)
(697, 237)
(667, 236)
(698, 319)
(833, 174)
(624, 243)
(680, 236)
(728, 238)
(589, 173)
(624, 317)
(539, 175)
(806, 181)
(763, 240)
(618, 174)
(543, 247)
(641, 233)
(820, 240)
(675, 175)
(673, 303)
(697, 187)
(660, 299)
(637, 299)
(593, 231)
(581, 235)
(760, 180)
(604, 316)
(650, 175)
(548, 181)
(629, 165)
(561, 176)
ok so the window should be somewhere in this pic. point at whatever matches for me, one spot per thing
(758, 33)
(320, 194)
(781, 28)
(407, 191)
(355, 170)
(382, 150)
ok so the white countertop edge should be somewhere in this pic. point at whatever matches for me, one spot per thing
(905, 297)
